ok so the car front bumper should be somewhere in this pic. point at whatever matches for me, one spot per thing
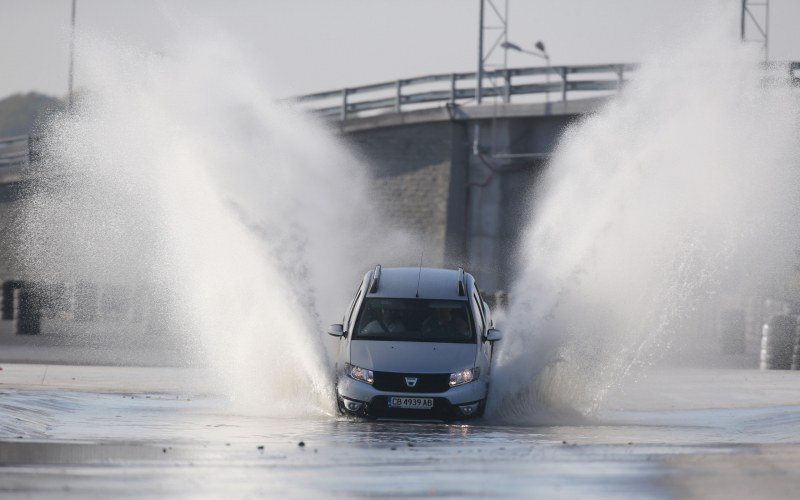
(456, 403)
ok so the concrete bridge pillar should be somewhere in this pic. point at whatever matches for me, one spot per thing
(484, 239)
(505, 161)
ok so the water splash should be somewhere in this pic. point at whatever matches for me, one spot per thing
(681, 188)
(242, 221)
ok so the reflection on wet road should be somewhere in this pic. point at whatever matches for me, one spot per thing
(57, 440)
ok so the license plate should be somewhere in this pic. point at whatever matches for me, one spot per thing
(411, 403)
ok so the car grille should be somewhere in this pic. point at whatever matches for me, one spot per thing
(426, 382)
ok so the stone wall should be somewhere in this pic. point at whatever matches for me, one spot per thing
(412, 170)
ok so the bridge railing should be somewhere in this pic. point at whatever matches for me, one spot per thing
(15, 151)
(450, 88)
(19, 151)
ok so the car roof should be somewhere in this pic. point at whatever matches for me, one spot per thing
(416, 282)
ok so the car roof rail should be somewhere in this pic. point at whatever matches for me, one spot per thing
(462, 288)
(376, 276)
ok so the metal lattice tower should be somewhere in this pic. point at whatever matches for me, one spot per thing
(496, 32)
(755, 24)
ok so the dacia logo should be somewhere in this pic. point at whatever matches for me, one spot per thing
(411, 381)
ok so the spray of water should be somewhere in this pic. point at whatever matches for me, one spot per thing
(682, 188)
(242, 222)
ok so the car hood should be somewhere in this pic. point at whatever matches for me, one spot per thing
(412, 357)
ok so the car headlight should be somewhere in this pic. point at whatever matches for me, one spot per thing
(464, 376)
(358, 373)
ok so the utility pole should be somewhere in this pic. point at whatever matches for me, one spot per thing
(755, 24)
(498, 23)
(71, 55)
(479, 74)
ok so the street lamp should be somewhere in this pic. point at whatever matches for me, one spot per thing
(542, 54)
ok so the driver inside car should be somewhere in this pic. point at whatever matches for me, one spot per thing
(386, 322)
(443, 321)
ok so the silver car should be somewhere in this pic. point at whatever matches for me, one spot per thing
(415, 343)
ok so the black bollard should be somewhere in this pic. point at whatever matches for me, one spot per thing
(777, 343)
(27, 310)
(7, 307)
(796, 349)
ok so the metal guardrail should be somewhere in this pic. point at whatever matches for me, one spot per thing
(20, 150)
(448, 90)
(444, 88)
(15, 151)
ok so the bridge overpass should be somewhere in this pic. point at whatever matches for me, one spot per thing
(459, 174)
(463, 176)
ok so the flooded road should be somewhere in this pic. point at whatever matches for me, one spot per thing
(92, 432)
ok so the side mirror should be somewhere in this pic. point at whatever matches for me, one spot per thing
(336, 330)
(493, 335)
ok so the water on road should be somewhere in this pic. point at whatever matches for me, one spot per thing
(156, 432)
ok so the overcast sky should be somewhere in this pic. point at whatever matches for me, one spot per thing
(303, 46)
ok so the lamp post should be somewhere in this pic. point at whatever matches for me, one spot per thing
(541, 54)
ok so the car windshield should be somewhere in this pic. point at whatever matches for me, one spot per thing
(415, 320)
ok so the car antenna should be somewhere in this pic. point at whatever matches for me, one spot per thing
(419, 276)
